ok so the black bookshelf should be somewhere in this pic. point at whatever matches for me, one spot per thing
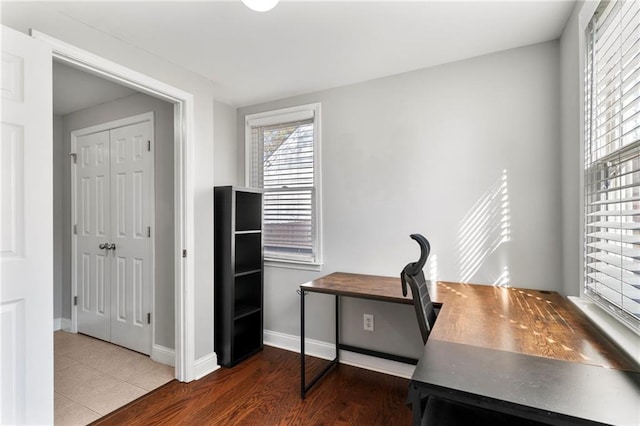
(238, 273)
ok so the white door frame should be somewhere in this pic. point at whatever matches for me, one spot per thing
(183, 115)
(127, 121)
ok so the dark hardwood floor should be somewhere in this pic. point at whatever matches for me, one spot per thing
(265, 390)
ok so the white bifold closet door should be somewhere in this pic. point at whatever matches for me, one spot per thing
(114, 254)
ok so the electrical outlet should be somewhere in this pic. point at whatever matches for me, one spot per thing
(368, 322)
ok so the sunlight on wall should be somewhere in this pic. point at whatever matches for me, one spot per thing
(483, 230)
(503, 279)
(432, 267)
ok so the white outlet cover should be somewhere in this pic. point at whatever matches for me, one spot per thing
(368, 323)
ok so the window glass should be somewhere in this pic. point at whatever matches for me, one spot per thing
(612, 160)
(283, 162)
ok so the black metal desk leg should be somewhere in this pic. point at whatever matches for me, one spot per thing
(304, 387)
(302, 378)
(337, 327)
(418, 404)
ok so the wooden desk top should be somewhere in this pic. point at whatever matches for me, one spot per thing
(530, 322)
(387, 289)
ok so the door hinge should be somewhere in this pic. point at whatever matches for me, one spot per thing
(149, 146)
(74, 157)
(149, 318)
(148, 231)
(184, 253)
(75, 300)
(75, 229)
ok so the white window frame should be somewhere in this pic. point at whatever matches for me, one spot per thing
(285, 115)
(625, 334)
(622, 335)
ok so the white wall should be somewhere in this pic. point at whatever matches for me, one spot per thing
(572, 48)
(22, 16)
(225, 149)
(59, 156)
(459, 153)
(164, 302)
(570, 64)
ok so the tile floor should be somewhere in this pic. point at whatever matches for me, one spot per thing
(93, 377)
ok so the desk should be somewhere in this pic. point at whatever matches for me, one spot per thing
(530, 353)
(339, 284)
(546, 390)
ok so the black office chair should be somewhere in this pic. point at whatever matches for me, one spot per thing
(412, 274)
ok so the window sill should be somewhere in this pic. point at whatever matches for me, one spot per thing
(625, 338)
(288, 264)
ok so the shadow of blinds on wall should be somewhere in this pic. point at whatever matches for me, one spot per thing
(612, 160)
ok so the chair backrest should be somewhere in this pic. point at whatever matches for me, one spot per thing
(413, 276)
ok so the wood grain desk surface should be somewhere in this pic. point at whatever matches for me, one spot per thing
(530, 322)
(387, 289)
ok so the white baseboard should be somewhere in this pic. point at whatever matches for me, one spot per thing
(66, 324)
(163, 355)
(205, 365)
(326, 350)
(61, 324)
(290, 342)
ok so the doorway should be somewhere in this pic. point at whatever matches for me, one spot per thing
(78, 222)
(183, 113)
(30, 350)
(107, 135)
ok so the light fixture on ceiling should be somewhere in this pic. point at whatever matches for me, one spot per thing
(260, 5)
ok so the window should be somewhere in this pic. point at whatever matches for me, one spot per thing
(283, 159)
(612, 160)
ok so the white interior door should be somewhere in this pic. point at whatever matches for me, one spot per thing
(114, 245)
(93, 232)
(26, 232)
(130, 219)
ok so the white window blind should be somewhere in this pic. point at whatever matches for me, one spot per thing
(283, 163)
(612, 160)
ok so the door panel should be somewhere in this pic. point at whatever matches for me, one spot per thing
(130, 171)
(92, 177)
(26, 232)
(114, 208)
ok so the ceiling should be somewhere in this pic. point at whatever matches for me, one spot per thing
(305, 46)
(74, 90)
